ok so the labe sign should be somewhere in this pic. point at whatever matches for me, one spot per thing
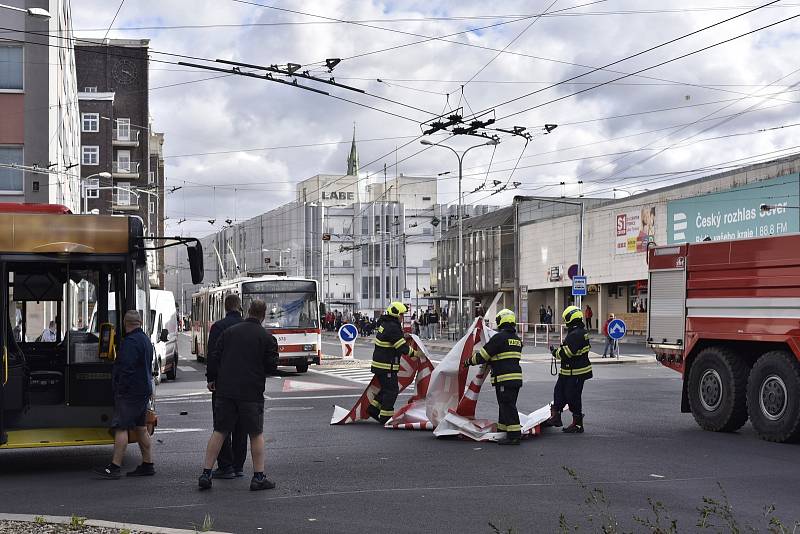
(736, 213)
(338, 195)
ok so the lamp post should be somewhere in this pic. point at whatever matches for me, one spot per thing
(460, 157)
(85, 195)
(34, 12)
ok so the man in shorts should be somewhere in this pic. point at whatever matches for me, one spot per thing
(237, 371)
(132, 381)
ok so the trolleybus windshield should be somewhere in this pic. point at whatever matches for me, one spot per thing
(290, 303)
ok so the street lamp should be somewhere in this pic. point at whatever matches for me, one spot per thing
(85, 195)
(34, 12)
(460, 156)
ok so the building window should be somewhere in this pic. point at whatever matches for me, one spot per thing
(93, 188)
(92, 89)
(151, 175)
(364, 287)
(124, 129)
(11, 179)
(90, 155)
(90, 122)
(347, 263)
(152, 207)
(11, 68)
(123, 191)
(123, 161)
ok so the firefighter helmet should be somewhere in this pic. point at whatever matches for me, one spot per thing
(572, 313)
(396, 309)
(505, 316)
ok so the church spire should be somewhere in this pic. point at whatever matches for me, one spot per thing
(352, 159)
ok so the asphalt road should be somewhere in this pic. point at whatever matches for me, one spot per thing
(363, 478)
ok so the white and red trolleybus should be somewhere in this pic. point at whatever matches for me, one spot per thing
(292, 315)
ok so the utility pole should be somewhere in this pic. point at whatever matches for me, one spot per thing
(382, 255)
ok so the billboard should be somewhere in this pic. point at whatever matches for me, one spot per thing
(736, 213)
(635, 229)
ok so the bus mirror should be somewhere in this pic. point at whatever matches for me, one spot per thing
(195, 254)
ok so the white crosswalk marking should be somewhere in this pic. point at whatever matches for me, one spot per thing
(186, 368)
(361, 376)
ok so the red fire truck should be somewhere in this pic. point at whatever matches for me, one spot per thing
(726, 315)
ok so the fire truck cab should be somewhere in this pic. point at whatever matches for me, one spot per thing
(726, 315)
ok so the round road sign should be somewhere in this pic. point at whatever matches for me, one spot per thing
(348, 333)
(617, 329)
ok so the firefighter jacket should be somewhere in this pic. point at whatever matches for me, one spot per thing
(503, 353)
(574, 353)
(390, 345)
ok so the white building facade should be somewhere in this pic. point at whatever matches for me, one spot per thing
(617, 233)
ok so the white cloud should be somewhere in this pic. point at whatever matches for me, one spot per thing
(233, 113)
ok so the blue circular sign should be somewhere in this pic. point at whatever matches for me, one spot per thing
(617, 329)
(348, 333)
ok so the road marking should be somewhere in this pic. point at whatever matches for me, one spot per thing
(186, 368)
(179, 430)
(301, 385)
(359, 376)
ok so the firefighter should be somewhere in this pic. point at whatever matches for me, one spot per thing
(573, 354)
(390, 346)
(503, 353)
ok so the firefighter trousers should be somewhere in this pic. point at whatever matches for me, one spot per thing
(385, 398)
(508, 418)
(568, 391)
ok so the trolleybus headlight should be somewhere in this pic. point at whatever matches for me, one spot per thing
(308, 347)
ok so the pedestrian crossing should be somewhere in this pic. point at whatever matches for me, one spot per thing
(360, 376)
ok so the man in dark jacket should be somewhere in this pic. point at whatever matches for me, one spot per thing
(575, 370)
(230, 462)
(503, 353)
(246, 353)
(390, 346)
(132, 383)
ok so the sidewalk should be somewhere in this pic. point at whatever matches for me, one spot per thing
(630, 352)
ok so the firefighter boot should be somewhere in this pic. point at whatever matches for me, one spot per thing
(511, 438)
(577, 425)
(555, 419)
(373, 412)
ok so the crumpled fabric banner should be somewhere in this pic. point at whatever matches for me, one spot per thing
(446, 396)
(412, 370)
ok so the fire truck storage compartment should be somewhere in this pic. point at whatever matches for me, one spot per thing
(666, 321)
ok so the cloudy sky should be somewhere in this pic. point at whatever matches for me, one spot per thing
(237, 145)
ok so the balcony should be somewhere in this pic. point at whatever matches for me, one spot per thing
(125, 169)
(125, 137)
(124, 201)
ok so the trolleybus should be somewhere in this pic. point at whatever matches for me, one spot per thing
(292, 315)
(56, 271)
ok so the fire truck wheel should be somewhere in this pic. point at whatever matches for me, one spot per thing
(773, 397)
(718, 390)
(302, 368)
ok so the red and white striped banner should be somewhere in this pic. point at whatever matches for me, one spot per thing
(411, 369)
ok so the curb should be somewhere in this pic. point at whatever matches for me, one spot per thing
(63, 520)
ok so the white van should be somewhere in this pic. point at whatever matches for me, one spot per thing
(164, 318)
(163, 334)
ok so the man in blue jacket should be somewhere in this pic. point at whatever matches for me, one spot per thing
(132, 382)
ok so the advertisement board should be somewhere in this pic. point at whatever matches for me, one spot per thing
(635, 229)
(736, 213)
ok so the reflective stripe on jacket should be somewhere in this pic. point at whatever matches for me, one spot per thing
(574, 353)
(390, 345)
(503, 353)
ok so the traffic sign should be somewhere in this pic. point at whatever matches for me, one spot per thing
(572, 272)
(579, 286)
(617, 329)
(348, 333)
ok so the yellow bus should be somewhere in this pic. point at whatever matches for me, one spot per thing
(57, 270)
